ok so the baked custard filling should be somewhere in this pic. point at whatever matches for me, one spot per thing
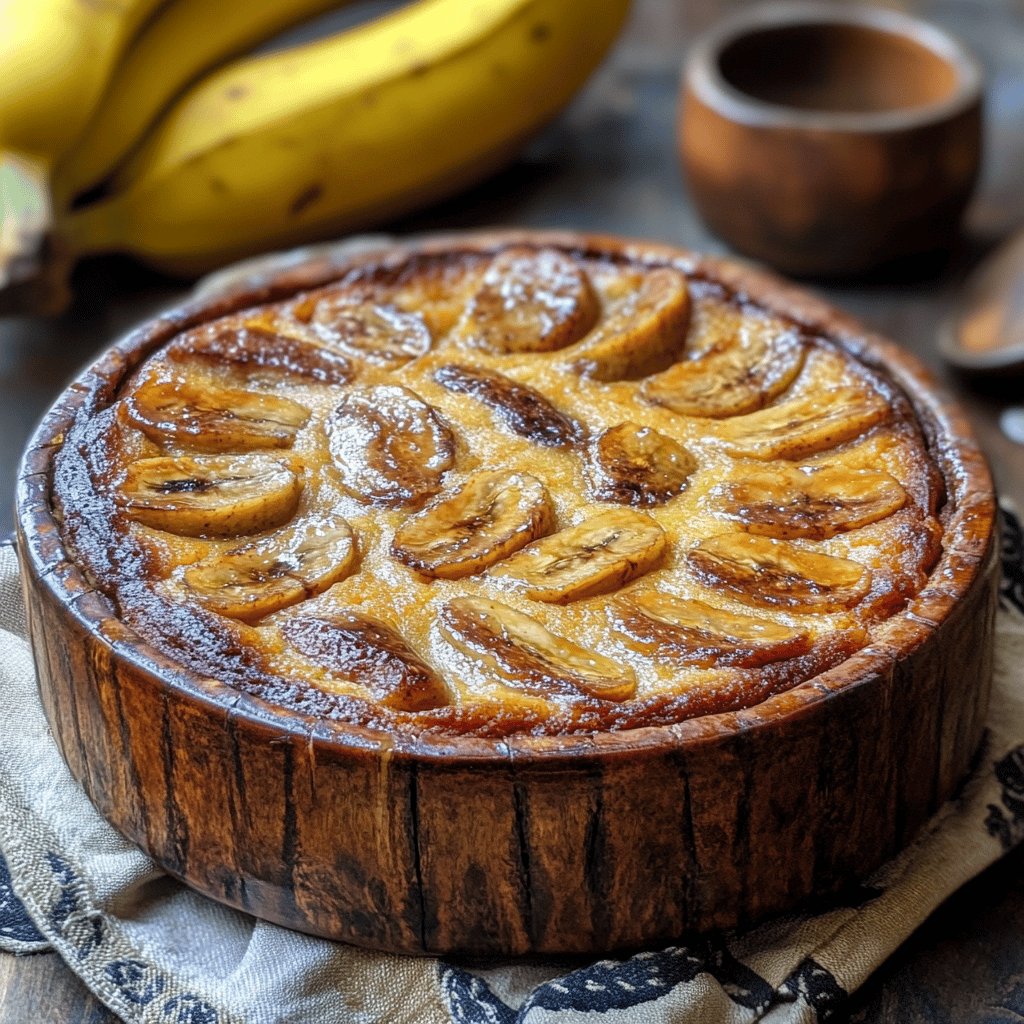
(524, 490)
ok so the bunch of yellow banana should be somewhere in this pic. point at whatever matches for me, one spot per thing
(155, 137)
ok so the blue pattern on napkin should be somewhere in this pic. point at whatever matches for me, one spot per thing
(15, 924)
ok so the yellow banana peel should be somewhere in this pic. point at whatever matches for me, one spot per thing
(346, 131)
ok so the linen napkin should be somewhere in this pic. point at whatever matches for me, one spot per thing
(157, 953)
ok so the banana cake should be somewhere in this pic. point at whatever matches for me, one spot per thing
(512, 488)
(510, 593)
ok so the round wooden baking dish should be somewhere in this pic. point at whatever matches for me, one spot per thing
(553, 844)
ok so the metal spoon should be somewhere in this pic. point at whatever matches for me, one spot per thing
(985, 336)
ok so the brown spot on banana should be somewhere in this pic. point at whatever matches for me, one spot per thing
(306, 198)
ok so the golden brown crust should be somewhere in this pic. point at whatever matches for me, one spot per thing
(965, 519)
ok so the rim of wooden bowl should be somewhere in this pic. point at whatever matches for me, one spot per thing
(703, 75)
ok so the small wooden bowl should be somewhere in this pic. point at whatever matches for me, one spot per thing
(530, 844)
(830, 141)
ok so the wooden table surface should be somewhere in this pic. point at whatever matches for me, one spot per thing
(609, 165)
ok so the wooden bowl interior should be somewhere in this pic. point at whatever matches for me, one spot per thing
(836, 67)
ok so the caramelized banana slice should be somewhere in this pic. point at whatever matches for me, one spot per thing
(360, 649)
(263, 577)
(634, 465)
(249, 346)
(377, 332)
(491, 516)
(201, 415)
(817, 503)
(729, 380)
(695, 633)
(814, 422)
(437, 286)
(641, 333)
(524, 411)
(524, 654)
(219, 496)
(601, 554)
(530, 300)
(777, 574)
(391, 447)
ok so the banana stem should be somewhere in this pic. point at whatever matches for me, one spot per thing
(33, 273)
(25, 215)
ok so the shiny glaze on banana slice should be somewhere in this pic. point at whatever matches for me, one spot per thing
(493, 515)
(777, 574)
(814, 422)
(250, 347)
(601, 554)
(390, 446)
(257, 579)
(524, 654)
(522, 409)
(731, 379)
(529, 300)
(216, 496)
(359, 649)
(635, 465)
(435, 286)
(377, 332)
(818, 503)
(640, 333)
(695, 633)
(201, 415)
